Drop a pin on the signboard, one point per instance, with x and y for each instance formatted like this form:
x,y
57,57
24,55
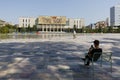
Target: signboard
x,y
52,20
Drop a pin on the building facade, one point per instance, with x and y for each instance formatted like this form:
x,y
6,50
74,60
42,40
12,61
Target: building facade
x,y
26,22
2,23
91,26
51,23
115,15
78,23
101,24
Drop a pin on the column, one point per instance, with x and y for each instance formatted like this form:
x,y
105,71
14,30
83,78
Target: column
x,y
46,28
53,28
42,28
57,28
61,28
50,27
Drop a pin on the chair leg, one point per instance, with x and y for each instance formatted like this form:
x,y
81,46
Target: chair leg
x,y
93,69
84,62
111,65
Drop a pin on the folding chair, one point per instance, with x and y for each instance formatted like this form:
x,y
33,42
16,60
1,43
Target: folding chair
x,y
95,58
107,56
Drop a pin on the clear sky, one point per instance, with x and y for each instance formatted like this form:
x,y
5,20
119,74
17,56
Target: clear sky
x,y
91,10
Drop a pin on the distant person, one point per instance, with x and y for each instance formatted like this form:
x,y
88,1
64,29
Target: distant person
x,y
74,34
91,52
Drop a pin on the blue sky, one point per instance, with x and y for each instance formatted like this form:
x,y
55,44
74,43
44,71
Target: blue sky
x,y
91,10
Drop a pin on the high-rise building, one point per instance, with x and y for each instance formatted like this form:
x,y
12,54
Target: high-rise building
x,y
26,22
115,15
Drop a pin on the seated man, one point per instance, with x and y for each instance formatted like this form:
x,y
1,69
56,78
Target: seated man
x,y
92,50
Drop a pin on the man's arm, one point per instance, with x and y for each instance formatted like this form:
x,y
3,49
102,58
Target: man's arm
x,y
90,52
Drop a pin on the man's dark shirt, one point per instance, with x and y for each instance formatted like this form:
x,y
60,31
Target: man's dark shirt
x,y
95,50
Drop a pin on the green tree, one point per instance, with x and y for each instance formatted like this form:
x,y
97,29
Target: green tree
x,y
34,28
23,29
118,29
110,29
4,30
28,29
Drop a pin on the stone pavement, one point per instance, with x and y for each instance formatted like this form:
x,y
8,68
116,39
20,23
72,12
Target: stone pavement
x,y
30,61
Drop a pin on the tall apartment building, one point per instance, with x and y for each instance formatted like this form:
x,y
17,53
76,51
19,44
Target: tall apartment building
x,y
115,15
25,22
79,23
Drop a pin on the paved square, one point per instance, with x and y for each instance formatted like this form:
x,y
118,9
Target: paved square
x,y
53,60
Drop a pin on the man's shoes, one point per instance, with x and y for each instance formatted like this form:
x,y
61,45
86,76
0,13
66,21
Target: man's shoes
x,y
86,64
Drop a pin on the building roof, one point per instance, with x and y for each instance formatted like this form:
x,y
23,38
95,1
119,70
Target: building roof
x,y
1,20
117,5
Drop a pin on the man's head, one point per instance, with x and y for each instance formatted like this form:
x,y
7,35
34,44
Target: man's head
x,y
96,43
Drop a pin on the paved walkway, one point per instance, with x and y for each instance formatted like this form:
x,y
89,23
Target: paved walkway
x,y
47,61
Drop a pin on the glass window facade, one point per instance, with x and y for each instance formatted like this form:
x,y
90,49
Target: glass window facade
x,y
115,15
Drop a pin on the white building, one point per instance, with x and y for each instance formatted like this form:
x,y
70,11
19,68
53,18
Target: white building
x,y
26,21
51,23
79,23
2,23
115,15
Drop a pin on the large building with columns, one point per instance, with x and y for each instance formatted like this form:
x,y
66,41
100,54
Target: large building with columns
x,y
51,23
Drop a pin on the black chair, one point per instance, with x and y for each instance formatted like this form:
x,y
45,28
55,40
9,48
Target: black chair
x,y
96,57
107,57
